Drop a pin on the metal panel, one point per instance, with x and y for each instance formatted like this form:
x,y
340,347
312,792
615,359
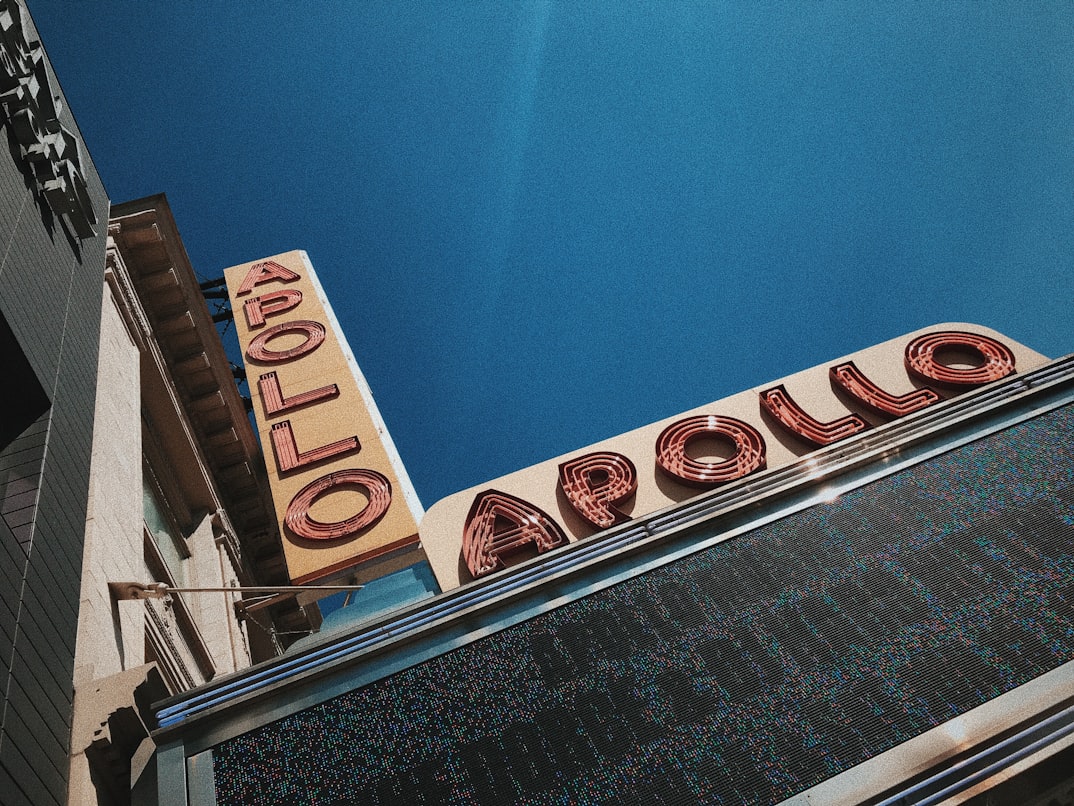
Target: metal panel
x,y
172,775
742,670
199,776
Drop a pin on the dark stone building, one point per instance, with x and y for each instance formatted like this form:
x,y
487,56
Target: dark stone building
x,y
53,210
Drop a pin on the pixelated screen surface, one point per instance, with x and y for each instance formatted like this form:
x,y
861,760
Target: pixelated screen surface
x,y
744,673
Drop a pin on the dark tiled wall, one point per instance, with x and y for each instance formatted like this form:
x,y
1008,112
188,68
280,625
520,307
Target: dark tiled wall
x,y
21,463
50,298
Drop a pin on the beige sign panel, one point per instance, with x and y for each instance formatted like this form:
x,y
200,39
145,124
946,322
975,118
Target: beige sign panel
x,y
574,496
341,493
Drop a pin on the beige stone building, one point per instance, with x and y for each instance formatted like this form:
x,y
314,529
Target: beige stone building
x,y
177,496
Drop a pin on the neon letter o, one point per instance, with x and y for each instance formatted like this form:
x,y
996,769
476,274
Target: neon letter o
x,y
671,450
313,331
997,358
376,487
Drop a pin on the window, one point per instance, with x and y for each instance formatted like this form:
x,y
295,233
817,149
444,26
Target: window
x,y
23,434
171,550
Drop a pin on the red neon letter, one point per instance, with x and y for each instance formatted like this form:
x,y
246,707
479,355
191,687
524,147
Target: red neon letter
x,y
996,360
778,402
376,487
274,302
671,455
265,272
499,524
312,331
288,457
853,381
595,483
275,403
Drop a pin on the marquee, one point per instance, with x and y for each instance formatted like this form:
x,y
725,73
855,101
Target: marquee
x,y
488,528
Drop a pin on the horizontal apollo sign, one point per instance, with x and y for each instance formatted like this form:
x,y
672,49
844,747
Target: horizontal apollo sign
x,y
341,493
487,528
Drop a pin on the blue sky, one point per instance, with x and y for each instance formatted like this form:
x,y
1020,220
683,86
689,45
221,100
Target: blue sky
x,y
543,224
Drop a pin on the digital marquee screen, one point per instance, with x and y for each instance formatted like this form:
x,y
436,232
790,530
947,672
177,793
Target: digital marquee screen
x,y
744,673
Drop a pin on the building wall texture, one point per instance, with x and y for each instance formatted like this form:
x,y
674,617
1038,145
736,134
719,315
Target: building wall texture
x,y
50,302
112,635
169,430
115,506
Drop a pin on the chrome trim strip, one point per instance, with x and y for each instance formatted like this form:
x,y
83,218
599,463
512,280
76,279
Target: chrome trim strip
x,y
864,451
986,763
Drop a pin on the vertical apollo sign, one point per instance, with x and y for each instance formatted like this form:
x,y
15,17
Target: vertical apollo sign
x,y
341,493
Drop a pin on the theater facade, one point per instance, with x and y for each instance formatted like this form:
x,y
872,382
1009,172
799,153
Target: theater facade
x,y
847,586
850,585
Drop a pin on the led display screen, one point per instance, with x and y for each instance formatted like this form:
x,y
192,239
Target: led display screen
x,y
744,673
